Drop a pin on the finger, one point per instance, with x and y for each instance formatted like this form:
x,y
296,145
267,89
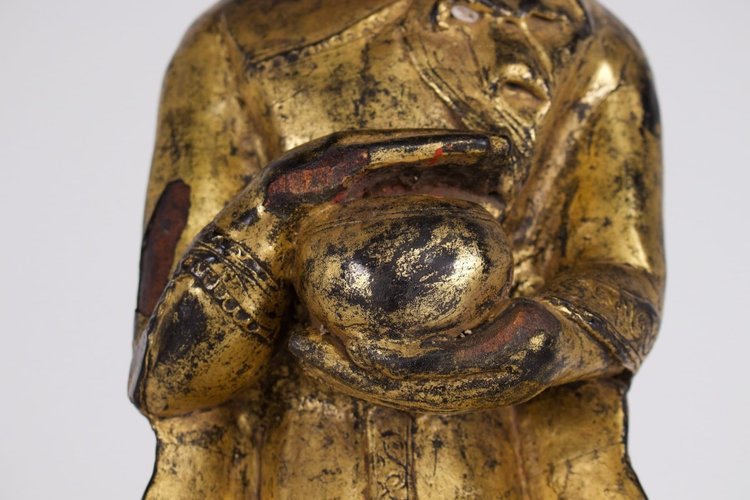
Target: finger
x,y
325,360
522,340
318,172
522,332
430,150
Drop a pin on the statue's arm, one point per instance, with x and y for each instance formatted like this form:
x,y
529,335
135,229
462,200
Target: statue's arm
x,y
222,293
214,327
611,278
604,298
598,226
605,281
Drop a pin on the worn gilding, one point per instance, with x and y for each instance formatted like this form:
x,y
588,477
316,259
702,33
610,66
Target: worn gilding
x,y
399,249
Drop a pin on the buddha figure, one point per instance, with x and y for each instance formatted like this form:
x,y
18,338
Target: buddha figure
x,y
399,249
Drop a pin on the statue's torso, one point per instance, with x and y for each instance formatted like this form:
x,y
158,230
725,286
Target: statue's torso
x,y
295,438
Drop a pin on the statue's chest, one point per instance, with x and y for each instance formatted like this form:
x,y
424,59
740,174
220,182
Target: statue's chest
x,y
365,84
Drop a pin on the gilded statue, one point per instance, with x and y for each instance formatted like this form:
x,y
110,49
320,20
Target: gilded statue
x,y
399,249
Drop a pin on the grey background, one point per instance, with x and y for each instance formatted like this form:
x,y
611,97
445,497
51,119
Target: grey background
x,y
79,84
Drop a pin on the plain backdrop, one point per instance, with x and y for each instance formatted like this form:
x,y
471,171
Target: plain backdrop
x,y
79,85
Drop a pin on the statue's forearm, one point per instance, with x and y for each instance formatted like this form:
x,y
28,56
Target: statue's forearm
x,y
214,327
615,306
608,278
590,322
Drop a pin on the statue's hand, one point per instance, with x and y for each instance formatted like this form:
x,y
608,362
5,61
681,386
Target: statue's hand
x,y
233,276
213,332
266,214
507,361
329,169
